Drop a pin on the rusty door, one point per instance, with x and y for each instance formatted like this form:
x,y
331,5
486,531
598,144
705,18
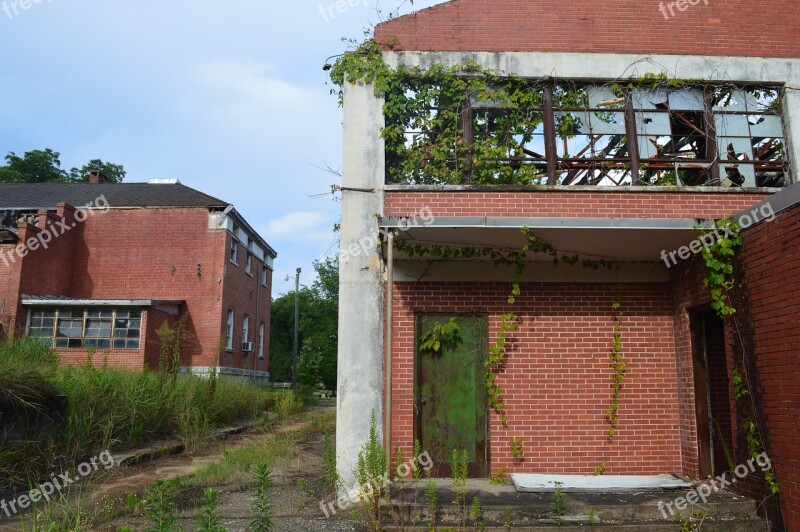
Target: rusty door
x,y
450,401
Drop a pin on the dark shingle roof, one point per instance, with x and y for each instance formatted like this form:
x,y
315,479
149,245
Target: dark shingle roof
x,y
28,196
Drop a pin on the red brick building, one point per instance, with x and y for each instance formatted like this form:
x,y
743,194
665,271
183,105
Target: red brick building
x,y
103,265
650,118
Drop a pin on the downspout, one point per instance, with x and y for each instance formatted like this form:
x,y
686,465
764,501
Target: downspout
x,y
389,319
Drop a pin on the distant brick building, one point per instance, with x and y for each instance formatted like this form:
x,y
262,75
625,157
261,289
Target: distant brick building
x,y
605,166
101,265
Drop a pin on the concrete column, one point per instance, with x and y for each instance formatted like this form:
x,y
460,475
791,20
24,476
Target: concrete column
x,y
360,387
791,120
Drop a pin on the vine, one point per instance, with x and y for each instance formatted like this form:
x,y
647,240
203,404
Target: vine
x,y
719,259
466,124
618,363
719,265
441,336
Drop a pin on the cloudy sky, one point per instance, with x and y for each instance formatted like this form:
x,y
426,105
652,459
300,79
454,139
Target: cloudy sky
x,y
229,97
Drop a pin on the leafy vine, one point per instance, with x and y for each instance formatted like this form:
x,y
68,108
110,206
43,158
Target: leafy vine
x,y
719,258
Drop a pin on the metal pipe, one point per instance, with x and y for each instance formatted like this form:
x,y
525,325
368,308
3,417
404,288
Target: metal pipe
x,y
389,319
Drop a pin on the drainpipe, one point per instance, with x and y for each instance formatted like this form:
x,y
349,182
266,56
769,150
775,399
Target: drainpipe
x,y
389,319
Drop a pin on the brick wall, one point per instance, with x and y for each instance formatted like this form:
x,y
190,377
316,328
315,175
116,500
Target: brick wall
x,y
571,204
720,28
162,254
558,377
246,295
768,264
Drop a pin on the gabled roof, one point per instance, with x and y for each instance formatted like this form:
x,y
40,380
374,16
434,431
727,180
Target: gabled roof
x,y
34,196
766,28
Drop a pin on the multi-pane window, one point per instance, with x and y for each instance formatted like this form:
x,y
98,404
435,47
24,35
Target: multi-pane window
x,y
102,328
566,133
229,331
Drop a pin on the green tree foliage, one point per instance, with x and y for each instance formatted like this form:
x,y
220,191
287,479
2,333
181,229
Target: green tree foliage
x,y
44,166
319,324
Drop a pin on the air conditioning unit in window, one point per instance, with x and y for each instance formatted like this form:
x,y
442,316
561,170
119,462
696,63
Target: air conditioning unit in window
x,y
247,347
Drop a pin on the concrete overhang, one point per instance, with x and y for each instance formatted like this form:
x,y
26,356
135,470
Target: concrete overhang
x,y
621,239
42,301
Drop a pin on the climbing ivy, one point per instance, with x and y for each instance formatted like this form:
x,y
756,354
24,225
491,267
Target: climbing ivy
x,y
442,336
719,258
618,363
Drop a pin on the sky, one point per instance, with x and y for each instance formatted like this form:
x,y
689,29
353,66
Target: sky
x,y
228,97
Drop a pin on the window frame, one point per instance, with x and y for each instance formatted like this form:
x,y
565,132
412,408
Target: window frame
x,y
230,325
87,318
261,333
233,253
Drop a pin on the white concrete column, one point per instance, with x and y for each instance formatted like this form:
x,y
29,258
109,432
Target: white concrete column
x,y
791,121
360,386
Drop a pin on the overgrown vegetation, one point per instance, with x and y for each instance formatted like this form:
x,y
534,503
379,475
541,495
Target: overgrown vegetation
x,y
370,472
55,416
318,336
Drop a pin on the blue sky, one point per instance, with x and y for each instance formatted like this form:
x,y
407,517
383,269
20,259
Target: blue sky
x,y
229,97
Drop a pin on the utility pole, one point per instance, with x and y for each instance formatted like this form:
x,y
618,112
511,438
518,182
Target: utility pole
x,y
296,327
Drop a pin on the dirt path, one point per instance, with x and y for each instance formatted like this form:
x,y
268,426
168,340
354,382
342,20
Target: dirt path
x,y
297,487
296,494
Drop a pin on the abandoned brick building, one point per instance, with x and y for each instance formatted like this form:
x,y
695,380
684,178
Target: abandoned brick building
x,y
577,148
101,266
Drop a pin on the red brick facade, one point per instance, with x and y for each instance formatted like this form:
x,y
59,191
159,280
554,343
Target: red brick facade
x,y
557,380
162,254
570,204
718,28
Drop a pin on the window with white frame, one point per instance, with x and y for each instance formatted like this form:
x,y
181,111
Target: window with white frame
x,y
246,328
102,328
234,251
249,264
264,276
229,331
261,340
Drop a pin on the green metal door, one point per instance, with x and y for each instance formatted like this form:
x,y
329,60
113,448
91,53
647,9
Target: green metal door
x,y
451,394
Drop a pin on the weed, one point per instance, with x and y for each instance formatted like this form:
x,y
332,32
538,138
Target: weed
x,y
370,470
476,514
592,516
432,502
159,507
208,520
559,505
507,520
262,506
331,476
458,471
498,478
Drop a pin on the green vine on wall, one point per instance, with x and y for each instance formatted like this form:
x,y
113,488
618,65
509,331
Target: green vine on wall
x,y
618,363
508,320
719,259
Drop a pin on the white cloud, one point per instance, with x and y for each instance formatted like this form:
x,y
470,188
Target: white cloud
x,y
300,226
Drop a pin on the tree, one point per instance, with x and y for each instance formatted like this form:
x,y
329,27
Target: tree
x,y
44,166
319,324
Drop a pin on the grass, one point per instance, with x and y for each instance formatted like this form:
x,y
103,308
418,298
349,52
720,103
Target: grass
x,y
107,409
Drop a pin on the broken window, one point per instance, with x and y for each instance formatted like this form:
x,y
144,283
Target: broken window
x,y
102,328
525,132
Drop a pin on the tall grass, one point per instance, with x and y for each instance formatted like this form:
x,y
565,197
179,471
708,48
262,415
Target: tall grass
x,y
107,408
